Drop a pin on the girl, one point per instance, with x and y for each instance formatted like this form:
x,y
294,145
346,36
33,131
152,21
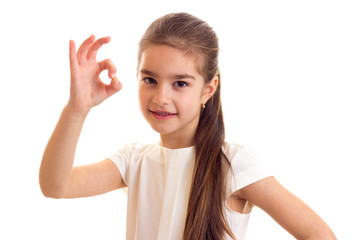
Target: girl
x,y
191,185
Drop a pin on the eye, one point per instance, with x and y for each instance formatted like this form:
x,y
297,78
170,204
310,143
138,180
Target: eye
x,y
149,80
181,84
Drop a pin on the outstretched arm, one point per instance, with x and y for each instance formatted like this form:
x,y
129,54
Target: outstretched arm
x,y
58,178
288,210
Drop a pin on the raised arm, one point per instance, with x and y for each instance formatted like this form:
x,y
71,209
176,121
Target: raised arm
x,y
58,178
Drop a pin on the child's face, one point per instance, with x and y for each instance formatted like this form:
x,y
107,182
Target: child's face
x,y
171,92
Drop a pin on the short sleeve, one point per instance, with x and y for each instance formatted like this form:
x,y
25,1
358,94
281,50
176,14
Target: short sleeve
x,y
246,167
121,159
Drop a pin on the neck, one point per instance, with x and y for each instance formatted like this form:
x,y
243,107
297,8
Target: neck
x,y
177,142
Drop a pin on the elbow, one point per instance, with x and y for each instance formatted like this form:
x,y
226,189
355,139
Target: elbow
x,y
52,194
51,190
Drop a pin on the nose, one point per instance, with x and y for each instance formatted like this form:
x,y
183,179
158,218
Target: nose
x,y
162,95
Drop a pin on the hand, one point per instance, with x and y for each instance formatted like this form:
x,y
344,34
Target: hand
x,y
87,90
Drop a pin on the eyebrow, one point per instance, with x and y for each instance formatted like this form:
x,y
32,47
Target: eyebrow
x,y
174,76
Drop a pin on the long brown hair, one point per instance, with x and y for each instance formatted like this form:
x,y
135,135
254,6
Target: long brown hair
x,y
205,215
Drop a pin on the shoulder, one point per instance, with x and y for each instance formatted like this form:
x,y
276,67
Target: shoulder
x,y
128,154
231,149
246,168
240,154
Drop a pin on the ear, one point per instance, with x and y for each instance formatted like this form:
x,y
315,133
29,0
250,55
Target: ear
x,y
209,89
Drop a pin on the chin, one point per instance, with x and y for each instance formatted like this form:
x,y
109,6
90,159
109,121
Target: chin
x,y
161,130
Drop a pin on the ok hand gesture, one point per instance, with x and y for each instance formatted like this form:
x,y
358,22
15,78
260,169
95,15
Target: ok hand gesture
x,y
87,89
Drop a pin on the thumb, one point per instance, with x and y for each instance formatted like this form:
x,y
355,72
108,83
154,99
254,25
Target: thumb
x,y
113,87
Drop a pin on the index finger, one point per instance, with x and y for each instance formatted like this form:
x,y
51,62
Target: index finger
x,y
92,51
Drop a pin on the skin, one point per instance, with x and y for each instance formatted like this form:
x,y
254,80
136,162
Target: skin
x,y
58,178
168,85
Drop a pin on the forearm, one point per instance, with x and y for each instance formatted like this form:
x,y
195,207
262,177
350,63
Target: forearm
x,y
322,232
58,158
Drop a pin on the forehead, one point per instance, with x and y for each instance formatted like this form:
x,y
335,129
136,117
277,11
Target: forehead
x,y
167,59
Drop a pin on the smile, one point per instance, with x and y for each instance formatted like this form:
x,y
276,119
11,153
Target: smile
x,y
162,115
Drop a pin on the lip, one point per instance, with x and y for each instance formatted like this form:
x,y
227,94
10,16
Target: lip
x,y
162,115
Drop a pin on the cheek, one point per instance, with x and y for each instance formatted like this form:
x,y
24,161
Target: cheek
x,y
142,98
191,102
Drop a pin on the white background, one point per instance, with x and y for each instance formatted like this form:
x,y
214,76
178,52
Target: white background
x,y
290,72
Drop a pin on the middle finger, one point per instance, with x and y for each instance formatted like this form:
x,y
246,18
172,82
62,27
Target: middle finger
x,y
92,51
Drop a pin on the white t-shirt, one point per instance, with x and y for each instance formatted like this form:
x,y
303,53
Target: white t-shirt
x,y
159,182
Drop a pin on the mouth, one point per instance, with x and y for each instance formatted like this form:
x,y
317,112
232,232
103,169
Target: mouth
x,y
161,115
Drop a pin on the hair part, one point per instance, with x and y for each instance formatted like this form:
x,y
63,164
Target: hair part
x,y
205,214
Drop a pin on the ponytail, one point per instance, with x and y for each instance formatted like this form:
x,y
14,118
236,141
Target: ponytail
x,y
205,216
